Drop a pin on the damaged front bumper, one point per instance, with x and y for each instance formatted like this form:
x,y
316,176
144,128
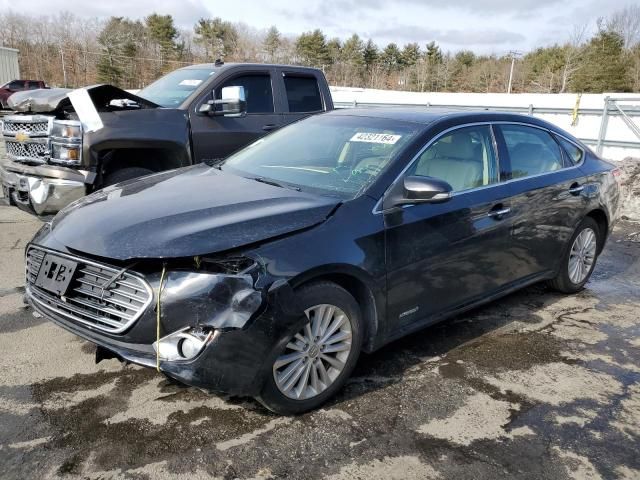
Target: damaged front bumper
x,y
245,327
26,188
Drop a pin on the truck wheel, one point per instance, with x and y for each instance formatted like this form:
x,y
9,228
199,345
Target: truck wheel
x,y
315,362
125,174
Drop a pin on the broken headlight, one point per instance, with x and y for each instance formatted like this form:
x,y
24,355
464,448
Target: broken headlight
x,y
215,300
66,142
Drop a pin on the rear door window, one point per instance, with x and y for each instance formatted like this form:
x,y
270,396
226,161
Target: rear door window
x,y
532,151
464,158
257,90
303,93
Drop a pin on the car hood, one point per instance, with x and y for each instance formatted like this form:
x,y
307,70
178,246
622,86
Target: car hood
x,y
53,99
194,211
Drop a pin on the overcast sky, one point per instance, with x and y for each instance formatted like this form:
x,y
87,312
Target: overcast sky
x,y
481,25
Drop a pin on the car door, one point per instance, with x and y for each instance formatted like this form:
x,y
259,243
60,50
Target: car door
x,y
546,196
441,256
216,137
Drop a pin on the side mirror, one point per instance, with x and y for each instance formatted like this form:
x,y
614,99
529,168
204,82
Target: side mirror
x,y
426,189
418,189
232,104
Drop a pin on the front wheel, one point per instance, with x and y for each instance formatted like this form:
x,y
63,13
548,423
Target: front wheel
x,y
580,259
317,360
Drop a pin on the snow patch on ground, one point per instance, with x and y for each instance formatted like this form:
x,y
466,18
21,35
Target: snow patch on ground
x,y
481,417
630,186
558,383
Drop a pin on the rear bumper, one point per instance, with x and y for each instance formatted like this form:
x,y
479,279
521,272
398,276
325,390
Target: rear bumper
x,y
39,195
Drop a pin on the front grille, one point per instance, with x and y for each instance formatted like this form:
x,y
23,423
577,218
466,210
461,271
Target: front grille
x,y
37,126
35,152
27,137
112,309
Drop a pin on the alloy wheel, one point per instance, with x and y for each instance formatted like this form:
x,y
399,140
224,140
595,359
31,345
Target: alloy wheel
x,y
316,355
582,255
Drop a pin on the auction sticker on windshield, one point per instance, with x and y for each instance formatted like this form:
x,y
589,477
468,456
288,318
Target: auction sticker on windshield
x,y
376,138
190,83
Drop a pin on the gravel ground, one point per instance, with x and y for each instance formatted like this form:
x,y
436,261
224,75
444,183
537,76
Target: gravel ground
x,y
537,385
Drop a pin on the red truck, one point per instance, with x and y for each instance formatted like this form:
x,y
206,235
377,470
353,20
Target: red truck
x,y
13,86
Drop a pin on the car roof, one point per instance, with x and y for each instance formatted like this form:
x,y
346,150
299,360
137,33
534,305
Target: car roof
x,y
429,116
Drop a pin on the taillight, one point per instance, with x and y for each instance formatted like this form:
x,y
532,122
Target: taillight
x,y
617,175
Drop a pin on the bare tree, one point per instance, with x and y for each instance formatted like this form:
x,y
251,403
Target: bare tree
x,y
572,53
626,23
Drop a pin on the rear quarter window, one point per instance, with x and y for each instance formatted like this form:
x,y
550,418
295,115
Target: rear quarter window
x,y
574,153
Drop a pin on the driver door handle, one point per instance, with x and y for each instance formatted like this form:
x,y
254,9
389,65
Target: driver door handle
x,y
269,127
498,213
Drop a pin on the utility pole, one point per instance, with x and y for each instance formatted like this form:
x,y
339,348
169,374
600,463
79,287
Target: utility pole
x,y
513,55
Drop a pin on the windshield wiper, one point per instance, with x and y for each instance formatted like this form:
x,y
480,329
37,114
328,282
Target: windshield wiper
x,y
275,184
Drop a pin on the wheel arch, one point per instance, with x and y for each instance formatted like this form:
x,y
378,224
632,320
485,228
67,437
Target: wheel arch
x,y
155,156
601,219
360,285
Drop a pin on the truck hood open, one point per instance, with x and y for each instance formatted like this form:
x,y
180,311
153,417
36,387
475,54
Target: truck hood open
x,y
54,99
194,211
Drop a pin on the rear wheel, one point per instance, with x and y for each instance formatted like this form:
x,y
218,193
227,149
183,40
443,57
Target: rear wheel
x,y
317,360
580,259
125,174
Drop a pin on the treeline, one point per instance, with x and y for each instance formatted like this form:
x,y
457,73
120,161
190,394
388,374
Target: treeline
x,y
65,50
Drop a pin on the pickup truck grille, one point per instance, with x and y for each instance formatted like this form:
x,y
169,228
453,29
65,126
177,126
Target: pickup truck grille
x,y
26,152
27,137
99,296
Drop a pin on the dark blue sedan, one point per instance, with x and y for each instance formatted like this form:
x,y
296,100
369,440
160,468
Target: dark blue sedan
x,y
266,274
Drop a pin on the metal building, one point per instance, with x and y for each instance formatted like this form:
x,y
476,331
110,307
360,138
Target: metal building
x,y
9,69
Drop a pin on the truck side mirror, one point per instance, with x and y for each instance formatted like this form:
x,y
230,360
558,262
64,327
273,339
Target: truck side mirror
x,y
232,104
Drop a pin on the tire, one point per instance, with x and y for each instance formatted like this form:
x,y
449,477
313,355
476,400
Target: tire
x,y
125,174
565,282
313,298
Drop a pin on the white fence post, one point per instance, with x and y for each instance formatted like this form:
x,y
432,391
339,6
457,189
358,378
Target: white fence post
x,y
602,134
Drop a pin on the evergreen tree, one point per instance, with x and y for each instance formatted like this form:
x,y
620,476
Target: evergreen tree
x,y
312,49
218,37
369,54
603,67
465,58
334,48
391,58
410,54
163,32
433,53
352,52
118,40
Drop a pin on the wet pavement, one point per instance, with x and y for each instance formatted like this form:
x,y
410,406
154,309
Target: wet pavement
x,y
537,385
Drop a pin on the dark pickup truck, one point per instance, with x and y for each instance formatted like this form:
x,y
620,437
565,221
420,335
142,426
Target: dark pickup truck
x,y
63,144
14,86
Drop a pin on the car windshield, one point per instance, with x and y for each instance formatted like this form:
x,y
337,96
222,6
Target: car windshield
x,y
172,89
331,154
